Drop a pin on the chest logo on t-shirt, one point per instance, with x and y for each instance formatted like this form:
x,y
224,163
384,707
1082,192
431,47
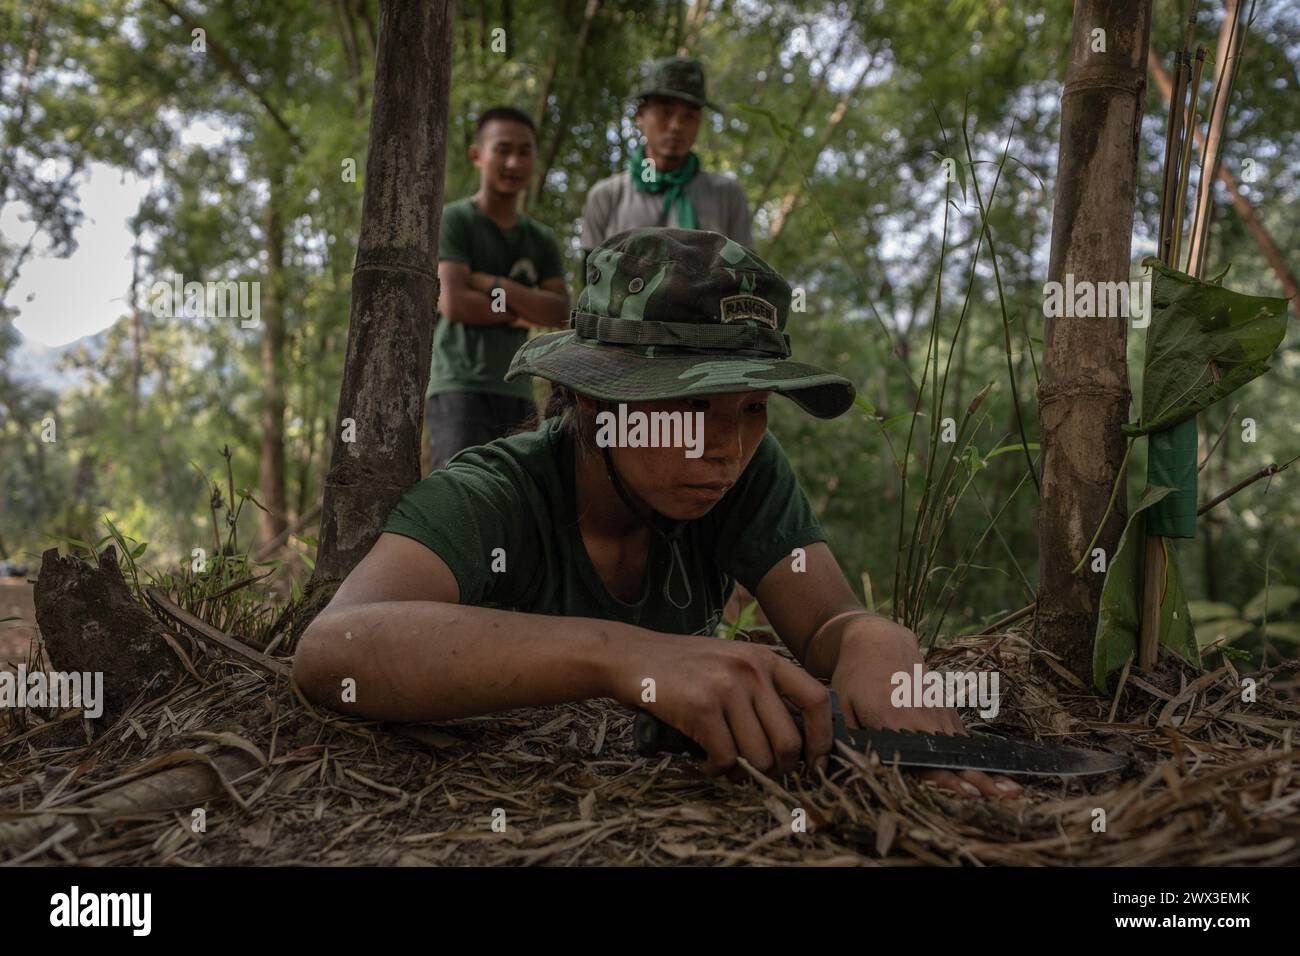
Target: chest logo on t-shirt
x,y
523,271
739,308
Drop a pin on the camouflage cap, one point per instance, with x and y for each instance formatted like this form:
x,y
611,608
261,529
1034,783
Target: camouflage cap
x,y
677,76
674,313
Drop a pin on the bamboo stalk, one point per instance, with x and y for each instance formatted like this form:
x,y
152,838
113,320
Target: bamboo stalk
x,y
1192,103
1223,55
1173,141
1263,239
1226,76
1154,563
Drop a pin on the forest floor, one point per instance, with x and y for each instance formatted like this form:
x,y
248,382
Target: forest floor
x,y
1212,780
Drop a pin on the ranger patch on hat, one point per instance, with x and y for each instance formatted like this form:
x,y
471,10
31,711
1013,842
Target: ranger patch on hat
x,y
738,308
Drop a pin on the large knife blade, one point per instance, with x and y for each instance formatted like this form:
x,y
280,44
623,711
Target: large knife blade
x,y
911,748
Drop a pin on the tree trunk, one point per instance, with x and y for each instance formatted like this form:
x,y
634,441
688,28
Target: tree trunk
x,y
814,90
540,113
376,439
1084,395
18,128
837,116
270,464
344,20
579,53
137,326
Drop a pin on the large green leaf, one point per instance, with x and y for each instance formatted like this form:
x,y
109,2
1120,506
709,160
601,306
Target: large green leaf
x,y
1118,619
1283,630
1205,342
1210,611
1225,631
1276,598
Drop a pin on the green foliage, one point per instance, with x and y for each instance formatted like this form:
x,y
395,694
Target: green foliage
x,y
1219,624
1205,343
1119,620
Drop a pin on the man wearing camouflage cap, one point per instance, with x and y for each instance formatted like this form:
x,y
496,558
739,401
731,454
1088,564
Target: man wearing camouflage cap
x,y
663,184
557,565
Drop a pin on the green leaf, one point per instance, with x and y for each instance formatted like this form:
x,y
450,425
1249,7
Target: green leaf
x,y
1207,632
1003,449
1210,610
1041,185
75,542
1278,598
865,405
1119,615
1204,343
1283,630
889,423
309,561
139,550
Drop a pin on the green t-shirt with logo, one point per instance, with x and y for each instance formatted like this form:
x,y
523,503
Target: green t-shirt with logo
x,y
502,517
474,358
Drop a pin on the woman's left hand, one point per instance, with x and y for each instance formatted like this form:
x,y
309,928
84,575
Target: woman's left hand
x,y
872,651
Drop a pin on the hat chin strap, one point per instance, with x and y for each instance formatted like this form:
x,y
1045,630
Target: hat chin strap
x,y
677,566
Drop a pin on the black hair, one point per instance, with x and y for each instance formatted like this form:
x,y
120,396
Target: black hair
x,y
508,113
562,403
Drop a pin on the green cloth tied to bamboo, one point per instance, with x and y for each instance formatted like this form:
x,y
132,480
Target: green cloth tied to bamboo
x,y
1204,343
672,184
1171,463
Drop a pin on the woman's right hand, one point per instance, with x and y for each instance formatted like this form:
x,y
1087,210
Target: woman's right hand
x,y
733,699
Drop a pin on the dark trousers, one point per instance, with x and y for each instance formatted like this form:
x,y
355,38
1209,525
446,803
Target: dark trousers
x,y
454,421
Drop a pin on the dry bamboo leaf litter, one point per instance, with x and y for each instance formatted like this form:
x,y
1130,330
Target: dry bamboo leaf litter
x,y
1213,782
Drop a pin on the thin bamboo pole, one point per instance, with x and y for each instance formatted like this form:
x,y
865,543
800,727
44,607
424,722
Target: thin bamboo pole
x,y
1154,559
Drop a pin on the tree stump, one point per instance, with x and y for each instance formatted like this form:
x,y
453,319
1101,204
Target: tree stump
x,y
90,621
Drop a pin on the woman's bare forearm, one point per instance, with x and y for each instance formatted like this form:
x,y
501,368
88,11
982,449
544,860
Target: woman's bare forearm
x,y
426,660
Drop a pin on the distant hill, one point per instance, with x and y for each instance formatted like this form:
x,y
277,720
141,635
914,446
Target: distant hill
x,y
38,364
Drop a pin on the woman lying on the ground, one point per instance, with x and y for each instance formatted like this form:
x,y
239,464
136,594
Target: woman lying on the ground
x,y
548,566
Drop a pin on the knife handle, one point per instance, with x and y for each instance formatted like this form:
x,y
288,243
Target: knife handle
x,y
654,736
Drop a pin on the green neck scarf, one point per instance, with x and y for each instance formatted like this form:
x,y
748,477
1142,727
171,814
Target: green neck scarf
x,y
671,184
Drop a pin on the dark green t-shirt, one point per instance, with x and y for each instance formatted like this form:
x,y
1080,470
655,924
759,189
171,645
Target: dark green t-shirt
x,y
517,494
474,358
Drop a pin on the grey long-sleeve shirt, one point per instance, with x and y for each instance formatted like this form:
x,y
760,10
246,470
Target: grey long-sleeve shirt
x,y
614,205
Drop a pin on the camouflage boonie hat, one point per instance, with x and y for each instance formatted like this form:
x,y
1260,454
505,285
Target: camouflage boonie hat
x,y
676,76
675,313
